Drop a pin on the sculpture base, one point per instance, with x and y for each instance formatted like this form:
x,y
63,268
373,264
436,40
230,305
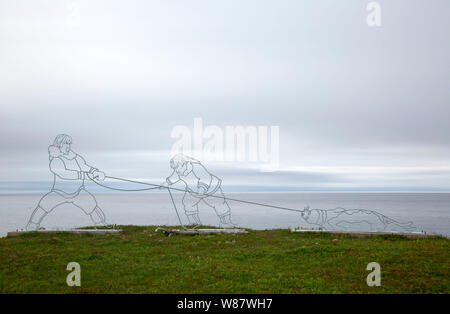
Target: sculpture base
x,y
76,231
199,231
368,234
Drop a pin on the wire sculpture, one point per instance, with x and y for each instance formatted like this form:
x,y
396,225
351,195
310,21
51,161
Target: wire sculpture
x,y
69,173
341,219
201,189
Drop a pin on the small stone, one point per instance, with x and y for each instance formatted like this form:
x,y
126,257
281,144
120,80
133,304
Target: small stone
x,y
335,240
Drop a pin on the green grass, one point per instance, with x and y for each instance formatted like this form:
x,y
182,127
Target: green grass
x,y
271,261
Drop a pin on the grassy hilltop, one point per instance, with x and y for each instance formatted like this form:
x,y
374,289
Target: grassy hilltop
x,y
271,261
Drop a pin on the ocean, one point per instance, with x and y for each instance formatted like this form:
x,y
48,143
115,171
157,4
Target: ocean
x,y
429,212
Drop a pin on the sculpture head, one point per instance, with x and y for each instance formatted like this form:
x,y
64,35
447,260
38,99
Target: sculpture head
x,y
311,216
63,142
182,164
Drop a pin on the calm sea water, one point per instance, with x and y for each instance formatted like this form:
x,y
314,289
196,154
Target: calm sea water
x,y
428,211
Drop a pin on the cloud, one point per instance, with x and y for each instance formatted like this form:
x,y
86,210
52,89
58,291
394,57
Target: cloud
x,y
343,94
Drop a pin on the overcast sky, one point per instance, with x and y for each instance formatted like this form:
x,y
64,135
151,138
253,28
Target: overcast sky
x,y
358,107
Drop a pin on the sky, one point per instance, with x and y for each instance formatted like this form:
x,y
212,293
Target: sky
x,y
359,108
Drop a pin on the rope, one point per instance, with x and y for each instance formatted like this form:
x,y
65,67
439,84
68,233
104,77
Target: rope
x,y
122,190
157,186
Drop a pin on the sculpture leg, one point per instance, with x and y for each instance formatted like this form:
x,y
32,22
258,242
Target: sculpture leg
x,y
190,205
46,204
98,217
36,218
194,219
221,207
88,204
225,221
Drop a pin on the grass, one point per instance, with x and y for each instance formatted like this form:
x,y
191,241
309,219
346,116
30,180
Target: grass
x,y
270,261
